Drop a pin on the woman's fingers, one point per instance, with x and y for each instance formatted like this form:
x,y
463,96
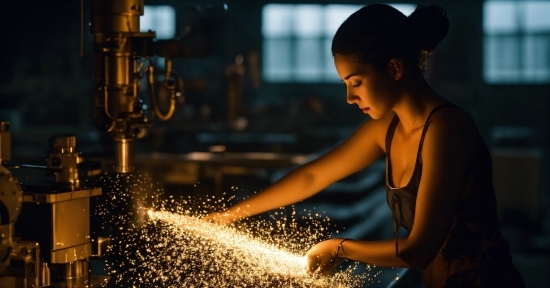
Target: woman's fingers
x,y
319,262
323,256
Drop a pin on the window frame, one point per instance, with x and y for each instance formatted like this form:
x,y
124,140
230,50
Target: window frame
x,y
520,34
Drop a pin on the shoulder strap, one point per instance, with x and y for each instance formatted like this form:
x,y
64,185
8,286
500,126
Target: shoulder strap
x,y
426,124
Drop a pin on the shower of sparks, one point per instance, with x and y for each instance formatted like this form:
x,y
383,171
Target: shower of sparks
x,y
265,259
161,241
268,257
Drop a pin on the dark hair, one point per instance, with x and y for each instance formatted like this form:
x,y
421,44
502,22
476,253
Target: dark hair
x,y
377,33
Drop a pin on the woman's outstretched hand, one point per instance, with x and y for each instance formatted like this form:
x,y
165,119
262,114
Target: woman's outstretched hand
x,y
323,257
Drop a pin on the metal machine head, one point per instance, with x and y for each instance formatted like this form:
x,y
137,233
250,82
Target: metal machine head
x,y
118,44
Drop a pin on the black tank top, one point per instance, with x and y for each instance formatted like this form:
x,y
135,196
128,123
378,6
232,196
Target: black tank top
x,y
486,251
402,201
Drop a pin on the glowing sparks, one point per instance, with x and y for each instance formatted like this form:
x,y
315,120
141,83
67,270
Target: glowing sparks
x,y
267,258
161,241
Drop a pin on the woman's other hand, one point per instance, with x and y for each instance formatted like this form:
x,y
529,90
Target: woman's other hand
x,y
323,257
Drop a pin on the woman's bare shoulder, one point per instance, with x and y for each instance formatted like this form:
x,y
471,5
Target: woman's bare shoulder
x,y
453,128
453,118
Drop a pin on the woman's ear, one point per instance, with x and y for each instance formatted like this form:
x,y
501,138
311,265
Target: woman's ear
x,y
395,67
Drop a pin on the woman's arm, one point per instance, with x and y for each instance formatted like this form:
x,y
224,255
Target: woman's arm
x,y
361,149
447,157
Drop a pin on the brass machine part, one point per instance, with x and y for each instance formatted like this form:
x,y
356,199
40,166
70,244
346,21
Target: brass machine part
x,y
26,269
118,44
10,198
63,162
10,205
10,188
60,222
57,223
19,261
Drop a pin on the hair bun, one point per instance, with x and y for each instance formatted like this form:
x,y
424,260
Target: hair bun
x,y
429,25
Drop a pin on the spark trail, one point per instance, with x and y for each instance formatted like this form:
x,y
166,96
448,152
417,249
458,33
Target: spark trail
x,y
175,248
267,257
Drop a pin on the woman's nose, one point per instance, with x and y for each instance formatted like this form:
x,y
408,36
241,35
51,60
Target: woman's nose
x,y
351,98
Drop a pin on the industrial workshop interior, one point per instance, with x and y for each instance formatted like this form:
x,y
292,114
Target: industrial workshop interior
x,y
123,122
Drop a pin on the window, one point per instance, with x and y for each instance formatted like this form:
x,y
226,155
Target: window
x,y
159,18
297,39
516,46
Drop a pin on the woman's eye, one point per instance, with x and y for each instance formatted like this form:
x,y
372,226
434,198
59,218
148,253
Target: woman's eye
x,y
355,85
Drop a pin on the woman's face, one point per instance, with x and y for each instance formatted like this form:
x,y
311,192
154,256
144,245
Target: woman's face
x,y
374,91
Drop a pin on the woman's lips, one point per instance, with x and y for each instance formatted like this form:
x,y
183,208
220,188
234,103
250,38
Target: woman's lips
x,y
365,110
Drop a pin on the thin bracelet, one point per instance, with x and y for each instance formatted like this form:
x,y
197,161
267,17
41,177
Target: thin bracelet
x,y
340,245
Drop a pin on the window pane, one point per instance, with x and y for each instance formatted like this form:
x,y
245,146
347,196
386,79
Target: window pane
x,y
308,20
277,20
309,58
536,58
537,16
330,71
277,60
406,9
161,19
516,46
499,17
501,59
335,15
297,40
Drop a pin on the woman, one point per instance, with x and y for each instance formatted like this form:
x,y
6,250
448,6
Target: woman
x,y
438,167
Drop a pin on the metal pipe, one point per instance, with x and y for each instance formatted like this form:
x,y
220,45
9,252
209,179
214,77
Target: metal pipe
x,y
124,162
